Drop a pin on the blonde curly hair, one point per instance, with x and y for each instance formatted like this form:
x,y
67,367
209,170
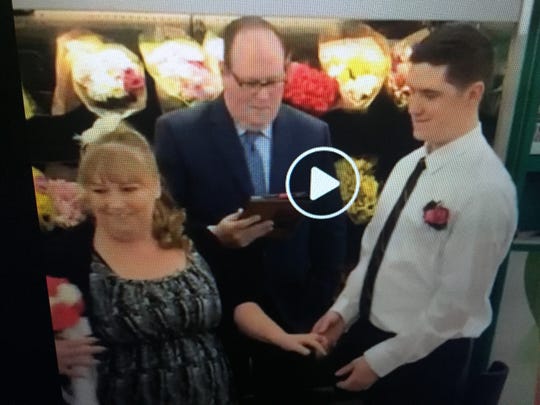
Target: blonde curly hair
x,y
124,154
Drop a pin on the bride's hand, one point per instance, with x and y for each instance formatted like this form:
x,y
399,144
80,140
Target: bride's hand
x,y
303,343
71,354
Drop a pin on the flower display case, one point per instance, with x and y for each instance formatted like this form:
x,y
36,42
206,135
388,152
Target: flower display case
x,y
346,68
363,51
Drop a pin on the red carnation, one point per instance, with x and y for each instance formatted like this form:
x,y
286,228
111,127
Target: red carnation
x,y
310,89
436,215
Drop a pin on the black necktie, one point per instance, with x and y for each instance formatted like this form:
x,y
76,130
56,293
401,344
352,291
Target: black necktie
x,y
366,298
254,162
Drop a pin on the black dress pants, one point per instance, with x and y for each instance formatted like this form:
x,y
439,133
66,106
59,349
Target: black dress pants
x,y
437,379
284,378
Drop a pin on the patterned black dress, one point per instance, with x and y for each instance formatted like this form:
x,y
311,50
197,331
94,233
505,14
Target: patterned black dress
x,y
160,335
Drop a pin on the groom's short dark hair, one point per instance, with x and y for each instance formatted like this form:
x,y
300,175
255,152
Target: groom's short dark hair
x,y
467,53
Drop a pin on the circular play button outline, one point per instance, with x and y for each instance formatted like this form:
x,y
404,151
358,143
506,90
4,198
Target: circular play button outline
x,y
309,152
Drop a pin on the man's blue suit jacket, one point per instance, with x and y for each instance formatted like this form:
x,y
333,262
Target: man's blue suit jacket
x,y
201,158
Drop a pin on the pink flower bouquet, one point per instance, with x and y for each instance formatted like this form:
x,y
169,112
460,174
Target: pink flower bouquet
x,y
184,70
58,201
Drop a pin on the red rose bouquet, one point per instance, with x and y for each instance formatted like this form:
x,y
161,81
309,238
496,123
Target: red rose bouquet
x,y
310,89
67,305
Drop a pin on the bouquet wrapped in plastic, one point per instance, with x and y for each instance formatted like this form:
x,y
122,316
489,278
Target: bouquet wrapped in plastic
x,y
58,201
359,63
310,89
183,70
363,208
106,77
29,104
66,305
401,51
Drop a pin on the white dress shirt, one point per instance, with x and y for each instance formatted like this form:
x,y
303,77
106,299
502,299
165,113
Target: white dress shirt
x,y
434,285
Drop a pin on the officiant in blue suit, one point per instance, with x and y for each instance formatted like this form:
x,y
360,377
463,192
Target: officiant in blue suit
x,y
214,157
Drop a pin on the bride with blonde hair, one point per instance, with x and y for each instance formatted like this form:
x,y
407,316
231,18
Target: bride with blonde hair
x,y
152,301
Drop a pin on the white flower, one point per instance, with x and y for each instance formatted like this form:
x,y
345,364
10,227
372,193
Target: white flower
x,y
101,73
173,50
102,85
214,47
361,86
171,58
68,294
101,126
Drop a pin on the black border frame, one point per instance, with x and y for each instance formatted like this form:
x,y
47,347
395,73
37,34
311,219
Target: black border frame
x,y
29,360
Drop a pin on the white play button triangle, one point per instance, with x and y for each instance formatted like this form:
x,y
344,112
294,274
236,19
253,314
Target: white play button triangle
x,y
320,183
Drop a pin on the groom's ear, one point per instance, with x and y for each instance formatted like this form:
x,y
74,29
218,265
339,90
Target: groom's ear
x,y
475,91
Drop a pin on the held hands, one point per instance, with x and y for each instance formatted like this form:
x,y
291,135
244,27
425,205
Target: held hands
x,y
71,354
303,343
235,232
331,325
360,375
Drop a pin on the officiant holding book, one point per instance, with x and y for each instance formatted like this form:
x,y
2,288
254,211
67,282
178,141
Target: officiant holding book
x,y
215,157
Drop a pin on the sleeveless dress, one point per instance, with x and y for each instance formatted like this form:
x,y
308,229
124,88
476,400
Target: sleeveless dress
x,y
160,337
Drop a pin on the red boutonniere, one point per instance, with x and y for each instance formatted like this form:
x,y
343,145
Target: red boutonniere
x,y
436,215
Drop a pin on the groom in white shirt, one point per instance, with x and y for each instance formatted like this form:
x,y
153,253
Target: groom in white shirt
x,y
429,256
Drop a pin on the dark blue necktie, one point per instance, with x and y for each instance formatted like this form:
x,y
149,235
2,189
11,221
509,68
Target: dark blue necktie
x,y
366,298
254,161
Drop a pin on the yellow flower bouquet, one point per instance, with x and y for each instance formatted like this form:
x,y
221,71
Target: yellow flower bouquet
x,y
360,65
29,104
363,208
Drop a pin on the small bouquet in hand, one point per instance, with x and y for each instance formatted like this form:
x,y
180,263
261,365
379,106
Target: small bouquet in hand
x,y
58,201
66,304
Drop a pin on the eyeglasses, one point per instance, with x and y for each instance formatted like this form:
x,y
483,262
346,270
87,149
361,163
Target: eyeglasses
x,y
256,85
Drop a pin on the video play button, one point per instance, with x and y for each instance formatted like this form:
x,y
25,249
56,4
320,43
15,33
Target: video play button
x,y
320,183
